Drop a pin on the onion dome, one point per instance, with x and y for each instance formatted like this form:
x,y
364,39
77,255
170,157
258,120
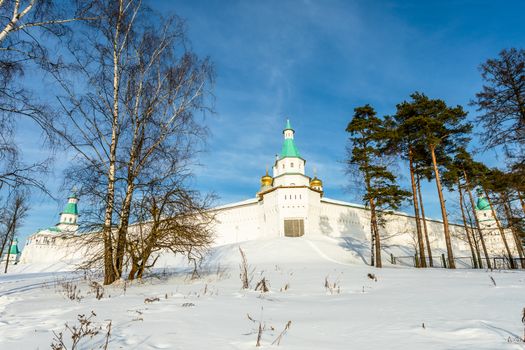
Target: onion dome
x,y
316,182
266,180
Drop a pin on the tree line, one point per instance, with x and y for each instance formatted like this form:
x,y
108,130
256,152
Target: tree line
x,y
432,139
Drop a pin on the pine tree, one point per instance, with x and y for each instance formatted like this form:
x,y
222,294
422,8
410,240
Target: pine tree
x,y
366,151
440,128
502,102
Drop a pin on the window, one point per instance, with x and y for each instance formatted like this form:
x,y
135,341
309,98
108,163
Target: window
x,y
283,165
291,165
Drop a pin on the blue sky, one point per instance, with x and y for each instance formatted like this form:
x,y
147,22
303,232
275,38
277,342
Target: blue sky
x,y
314,62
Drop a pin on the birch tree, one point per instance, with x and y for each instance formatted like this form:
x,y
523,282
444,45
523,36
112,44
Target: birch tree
x,y
27,29
139,90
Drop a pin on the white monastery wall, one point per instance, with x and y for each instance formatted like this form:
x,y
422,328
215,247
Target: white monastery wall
x,y
237,223
288,195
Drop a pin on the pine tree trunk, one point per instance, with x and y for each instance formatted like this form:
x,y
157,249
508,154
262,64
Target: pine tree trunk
x,y
373,222
467,231
425,229
522,201
517,241
501,231
473,233
446,230
421,246
372,242
477,222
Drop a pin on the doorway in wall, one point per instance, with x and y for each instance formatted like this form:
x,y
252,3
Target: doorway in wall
x,y
293,227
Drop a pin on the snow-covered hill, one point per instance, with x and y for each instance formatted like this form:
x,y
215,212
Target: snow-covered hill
x,y
402,308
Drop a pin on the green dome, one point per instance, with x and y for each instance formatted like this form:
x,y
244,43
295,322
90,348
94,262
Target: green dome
x,y
482,204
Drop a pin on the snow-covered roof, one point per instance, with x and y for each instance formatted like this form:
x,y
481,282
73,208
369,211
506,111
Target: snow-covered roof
x,y
237,204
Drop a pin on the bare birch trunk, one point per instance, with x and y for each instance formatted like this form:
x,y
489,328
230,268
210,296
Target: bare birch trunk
x,y
110,271
11,241
446,230
15,18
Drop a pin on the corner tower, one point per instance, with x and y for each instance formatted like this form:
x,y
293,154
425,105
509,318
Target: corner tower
x,y
69,217
484,212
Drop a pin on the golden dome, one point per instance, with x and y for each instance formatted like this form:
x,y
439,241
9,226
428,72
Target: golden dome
x,y
266,180
316,182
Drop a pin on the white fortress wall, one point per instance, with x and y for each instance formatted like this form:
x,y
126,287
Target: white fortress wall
x,y
270,215
53,247
341,219
237,222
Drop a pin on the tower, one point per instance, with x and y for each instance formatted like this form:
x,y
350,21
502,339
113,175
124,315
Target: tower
x,y
289,165
488,226
13,254
484,212
69,217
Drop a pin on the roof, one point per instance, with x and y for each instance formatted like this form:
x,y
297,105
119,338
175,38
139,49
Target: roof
x,y
482,204
289,149
71,208
237,204
288,125
14,248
